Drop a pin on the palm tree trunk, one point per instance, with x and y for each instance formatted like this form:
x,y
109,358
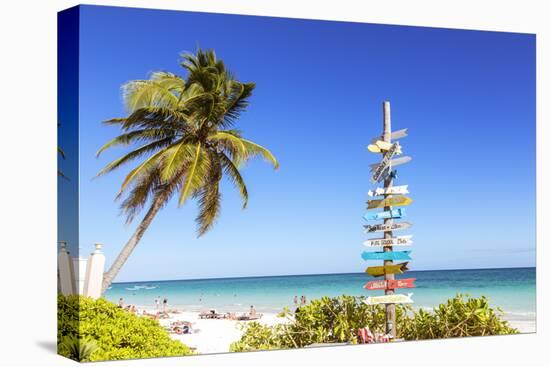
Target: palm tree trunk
x,y
110,275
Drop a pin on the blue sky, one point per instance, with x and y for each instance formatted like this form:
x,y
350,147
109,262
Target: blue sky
x,y
467,97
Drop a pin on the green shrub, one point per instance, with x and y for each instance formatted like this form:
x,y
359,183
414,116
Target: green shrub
x,y
336,320
460,316
99,330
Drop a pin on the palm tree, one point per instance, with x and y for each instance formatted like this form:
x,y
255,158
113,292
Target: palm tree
x,y
185,128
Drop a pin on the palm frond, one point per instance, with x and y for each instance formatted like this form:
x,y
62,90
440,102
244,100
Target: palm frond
x,y
256,149
137,136
61,152
209,196
175,158
237,102
235,177
142,169
195,174
147,148
140,194
148,93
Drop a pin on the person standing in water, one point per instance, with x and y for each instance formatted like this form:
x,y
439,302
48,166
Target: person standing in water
x,y
157,303
164,304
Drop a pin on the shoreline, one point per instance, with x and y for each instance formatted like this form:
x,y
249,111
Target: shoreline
x,y
216,335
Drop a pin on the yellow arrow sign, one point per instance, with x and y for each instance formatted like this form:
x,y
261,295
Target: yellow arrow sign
x,y
378,271
393,201
381,146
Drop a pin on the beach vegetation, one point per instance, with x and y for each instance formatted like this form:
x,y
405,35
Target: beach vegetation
x,y
338,319
98,330
182,133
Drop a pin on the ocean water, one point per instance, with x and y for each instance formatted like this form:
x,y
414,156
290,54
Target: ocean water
x,y
512,290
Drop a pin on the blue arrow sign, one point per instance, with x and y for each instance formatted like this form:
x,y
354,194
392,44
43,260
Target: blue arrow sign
x,y
394,213
388,255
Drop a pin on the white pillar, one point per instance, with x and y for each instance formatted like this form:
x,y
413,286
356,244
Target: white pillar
x,y
79,265
94,273
66,270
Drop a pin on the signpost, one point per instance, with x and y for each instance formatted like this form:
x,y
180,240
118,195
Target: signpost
x,y
395,226
391,201
394,190
386,255
389,241
389,299
395,213
378,271
377,285
390,198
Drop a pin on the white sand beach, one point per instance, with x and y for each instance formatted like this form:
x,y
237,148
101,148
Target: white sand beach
x,y
211,335
216,335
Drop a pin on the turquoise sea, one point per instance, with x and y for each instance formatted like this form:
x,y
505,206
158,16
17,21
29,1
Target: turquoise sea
x,y
513,290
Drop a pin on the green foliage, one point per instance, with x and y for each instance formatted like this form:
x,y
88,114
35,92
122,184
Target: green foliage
x,y
78,349
460,316
336,320
98,330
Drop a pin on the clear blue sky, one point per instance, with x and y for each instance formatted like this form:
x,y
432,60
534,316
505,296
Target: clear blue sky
x,y
467,97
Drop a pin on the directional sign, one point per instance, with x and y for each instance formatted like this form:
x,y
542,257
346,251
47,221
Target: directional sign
x,y
386,255
399,134
394,162
394,213
390,298
394,241
381,146
378,271
377,285
385,164
385,174
395,226
392,201
394,190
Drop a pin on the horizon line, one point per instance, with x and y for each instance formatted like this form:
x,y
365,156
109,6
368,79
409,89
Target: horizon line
x,y
310,274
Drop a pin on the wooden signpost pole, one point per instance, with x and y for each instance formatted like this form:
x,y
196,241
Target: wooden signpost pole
x,y
390,307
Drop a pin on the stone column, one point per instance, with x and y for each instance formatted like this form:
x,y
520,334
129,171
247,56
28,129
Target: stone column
x,y
66,270
94,273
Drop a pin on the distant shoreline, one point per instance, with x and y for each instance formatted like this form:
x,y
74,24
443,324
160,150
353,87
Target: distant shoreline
x,y
307,275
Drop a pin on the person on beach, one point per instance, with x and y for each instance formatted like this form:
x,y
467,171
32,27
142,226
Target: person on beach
x,y
304,300
164,304
121,302
157,303
252,311
295,301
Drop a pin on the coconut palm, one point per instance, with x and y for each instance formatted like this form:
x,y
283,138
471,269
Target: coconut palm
x,y
185,128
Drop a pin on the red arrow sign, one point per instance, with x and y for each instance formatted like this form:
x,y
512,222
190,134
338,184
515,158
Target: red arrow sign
x,y
390,284
401,283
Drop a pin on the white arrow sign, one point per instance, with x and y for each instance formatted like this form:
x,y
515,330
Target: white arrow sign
x,y
394,136
393,163
395,226
394,190
379,171
394,241
390,298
